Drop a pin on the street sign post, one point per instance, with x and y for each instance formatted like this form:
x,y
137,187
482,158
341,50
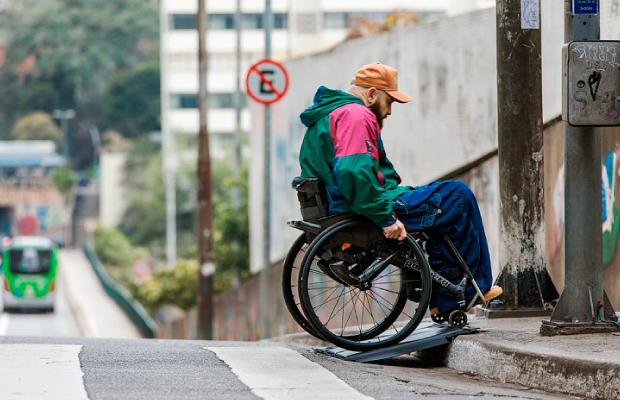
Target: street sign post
x,y
591,83
266,81
585,7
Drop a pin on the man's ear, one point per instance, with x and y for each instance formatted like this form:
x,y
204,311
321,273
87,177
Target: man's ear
x,y
372,95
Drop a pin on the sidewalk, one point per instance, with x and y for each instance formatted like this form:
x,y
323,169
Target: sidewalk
x,y
512,350
96,313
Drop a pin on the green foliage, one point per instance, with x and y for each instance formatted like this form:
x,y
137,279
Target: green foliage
x,y
74,48
170,286
231,227
37,125
64,179
132,101
113,248
144,221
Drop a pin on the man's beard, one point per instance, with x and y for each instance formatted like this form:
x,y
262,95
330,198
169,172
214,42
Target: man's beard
x,y
376,109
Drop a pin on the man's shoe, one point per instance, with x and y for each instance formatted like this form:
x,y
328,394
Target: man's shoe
x,y
494,292
435,311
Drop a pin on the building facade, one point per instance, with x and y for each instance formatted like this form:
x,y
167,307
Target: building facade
x,y
299,27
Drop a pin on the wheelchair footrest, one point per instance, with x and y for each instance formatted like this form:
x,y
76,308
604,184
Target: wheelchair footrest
x,y
424,337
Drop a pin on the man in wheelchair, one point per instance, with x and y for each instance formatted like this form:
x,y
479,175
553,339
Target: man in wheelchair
x,y
343,148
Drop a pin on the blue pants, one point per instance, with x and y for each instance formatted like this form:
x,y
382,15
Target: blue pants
x,y
449,207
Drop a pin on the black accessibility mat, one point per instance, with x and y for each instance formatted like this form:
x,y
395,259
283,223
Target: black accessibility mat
x,y
424,337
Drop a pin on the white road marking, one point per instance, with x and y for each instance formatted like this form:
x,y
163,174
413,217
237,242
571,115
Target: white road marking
x,y
41,371
275,373
4,324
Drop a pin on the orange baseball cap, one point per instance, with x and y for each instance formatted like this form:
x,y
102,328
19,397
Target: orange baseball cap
x,y
381,77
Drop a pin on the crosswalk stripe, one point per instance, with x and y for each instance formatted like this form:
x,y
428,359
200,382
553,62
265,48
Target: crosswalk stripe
x,y
41,371
275,373
4,323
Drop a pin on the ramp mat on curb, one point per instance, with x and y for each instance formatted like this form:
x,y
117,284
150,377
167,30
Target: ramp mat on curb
x,y
424,337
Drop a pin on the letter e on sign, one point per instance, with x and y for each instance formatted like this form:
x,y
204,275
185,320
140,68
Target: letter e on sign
x,y
266,81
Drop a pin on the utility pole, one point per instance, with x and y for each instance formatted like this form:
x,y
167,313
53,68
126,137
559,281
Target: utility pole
x,y
236,167
524,278
583,299
265,276
169,163
206,266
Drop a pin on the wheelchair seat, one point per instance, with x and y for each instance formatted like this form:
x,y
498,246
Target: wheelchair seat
x,y
314,207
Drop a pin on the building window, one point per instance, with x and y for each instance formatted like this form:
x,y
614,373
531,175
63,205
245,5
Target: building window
x,y
335,20
183,101
221,21
182,21
225,100
252,21
280,21
227,21
214,100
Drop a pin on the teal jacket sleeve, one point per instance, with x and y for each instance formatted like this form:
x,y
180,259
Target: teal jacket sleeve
x,y
357,178
355,134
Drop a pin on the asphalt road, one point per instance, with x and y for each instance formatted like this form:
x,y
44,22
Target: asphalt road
x,y
47,356
92,368
59,323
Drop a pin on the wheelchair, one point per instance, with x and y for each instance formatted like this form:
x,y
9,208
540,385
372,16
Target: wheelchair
x,y
345,283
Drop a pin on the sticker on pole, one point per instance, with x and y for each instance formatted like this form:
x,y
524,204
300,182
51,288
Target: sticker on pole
x,y
267,81
584,7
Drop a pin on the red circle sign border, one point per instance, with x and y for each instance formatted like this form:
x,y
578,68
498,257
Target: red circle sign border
x,y
253,69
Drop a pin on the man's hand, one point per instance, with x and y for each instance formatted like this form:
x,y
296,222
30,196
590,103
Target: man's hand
x,y
395,231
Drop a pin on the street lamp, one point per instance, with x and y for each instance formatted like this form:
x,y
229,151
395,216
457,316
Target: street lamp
x,y
64,116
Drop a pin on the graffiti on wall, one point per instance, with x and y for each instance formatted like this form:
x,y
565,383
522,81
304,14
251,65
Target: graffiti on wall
x,y
610,216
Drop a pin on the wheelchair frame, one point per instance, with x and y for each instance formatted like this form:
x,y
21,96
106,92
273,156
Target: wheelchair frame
x,y
317,225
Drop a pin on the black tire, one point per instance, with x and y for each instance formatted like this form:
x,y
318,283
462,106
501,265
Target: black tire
x,y
347,315
290,278
438,318
457,319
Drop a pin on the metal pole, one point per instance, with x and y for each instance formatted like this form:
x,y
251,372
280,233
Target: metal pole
x,y
265,277
577,309
168,146
267,182
65,136
236,167
64,116
204,188
520,141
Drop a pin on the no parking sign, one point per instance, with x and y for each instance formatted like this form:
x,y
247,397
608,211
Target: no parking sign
x,y
267,81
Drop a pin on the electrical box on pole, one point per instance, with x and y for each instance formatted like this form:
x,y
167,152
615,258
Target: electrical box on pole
x,y
591,77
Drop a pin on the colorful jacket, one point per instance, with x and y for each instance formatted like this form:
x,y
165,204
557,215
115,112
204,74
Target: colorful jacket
x,y
343,147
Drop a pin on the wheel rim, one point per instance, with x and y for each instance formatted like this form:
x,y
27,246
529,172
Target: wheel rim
x,y
350,316
290,279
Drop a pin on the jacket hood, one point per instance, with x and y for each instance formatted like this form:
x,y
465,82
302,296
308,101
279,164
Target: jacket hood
x,y
325,101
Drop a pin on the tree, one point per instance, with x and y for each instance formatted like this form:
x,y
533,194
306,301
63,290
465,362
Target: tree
x,y
64,179
132,101
62,52
37,126
144,220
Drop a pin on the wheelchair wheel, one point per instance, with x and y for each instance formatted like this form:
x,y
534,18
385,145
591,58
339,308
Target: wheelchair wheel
x,y
290,278
348,304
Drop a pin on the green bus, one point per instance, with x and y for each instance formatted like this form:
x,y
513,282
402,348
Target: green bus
x,y
29,265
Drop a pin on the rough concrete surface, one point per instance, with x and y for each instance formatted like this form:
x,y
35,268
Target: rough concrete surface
x,y
513,350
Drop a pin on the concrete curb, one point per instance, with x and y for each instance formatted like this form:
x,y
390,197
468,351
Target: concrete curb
x,y
512,350
85,324
535,367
